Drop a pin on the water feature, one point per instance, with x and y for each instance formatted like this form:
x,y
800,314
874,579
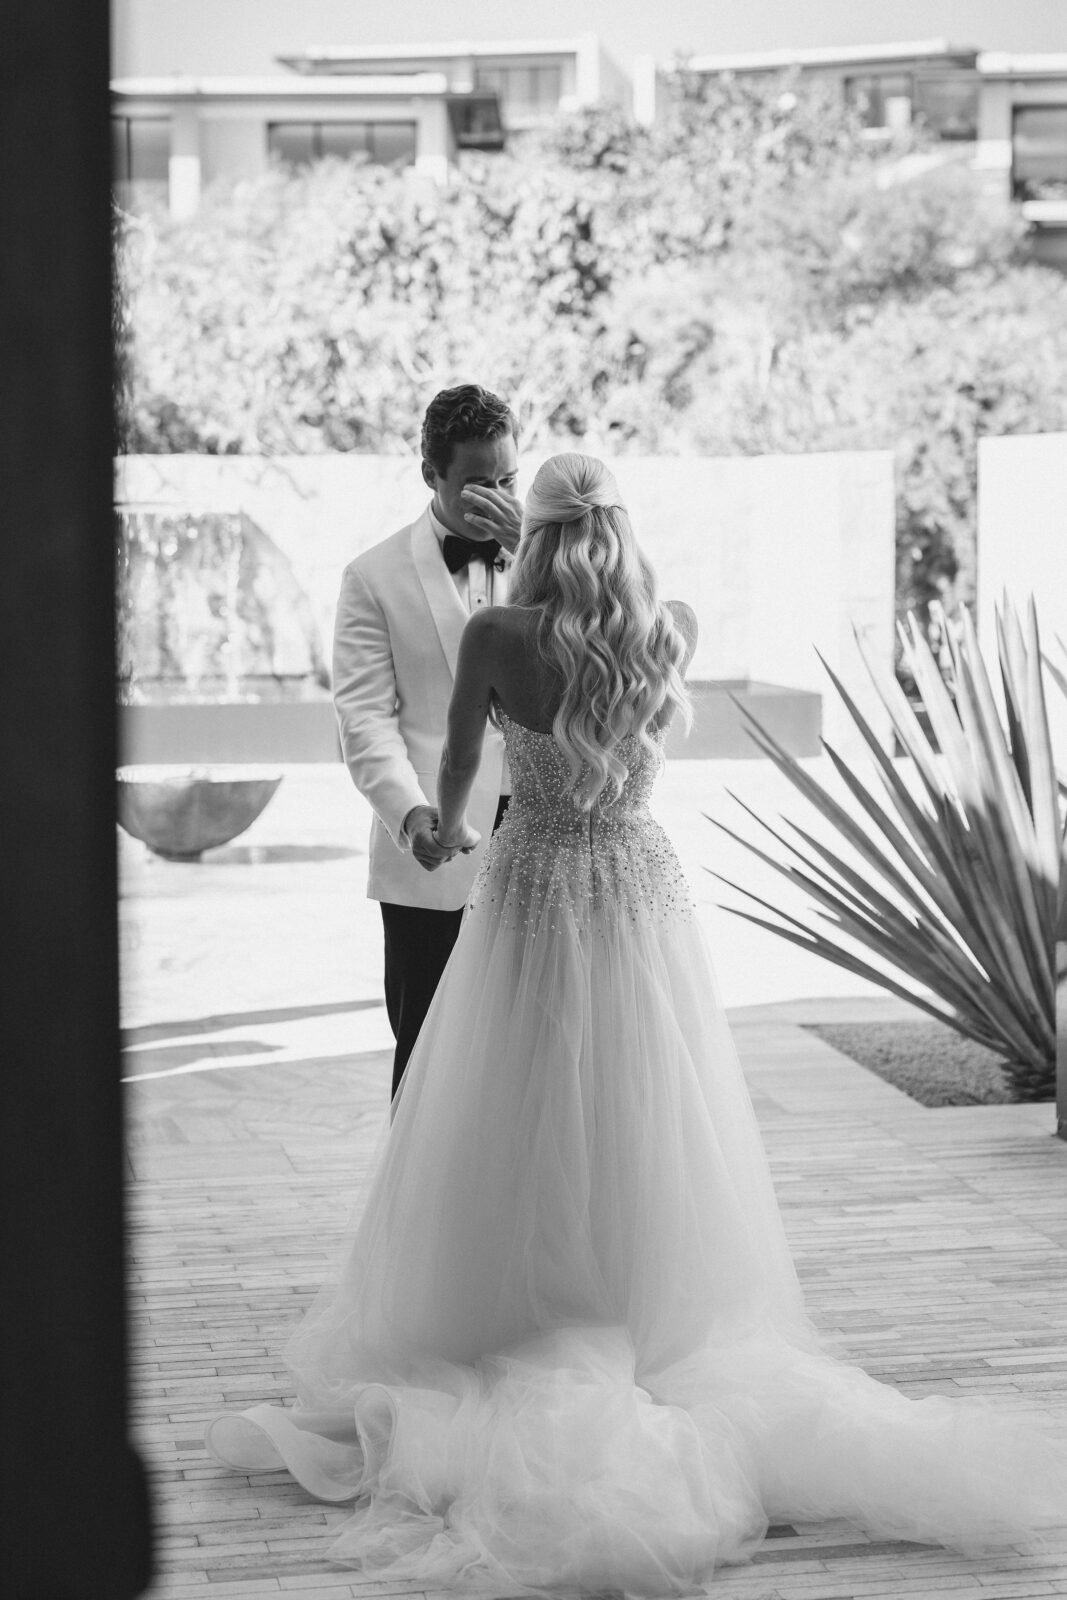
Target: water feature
x,y
209,610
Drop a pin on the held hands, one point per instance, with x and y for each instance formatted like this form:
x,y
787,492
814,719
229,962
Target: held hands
x,y
429,851
494,512
419,824
463,839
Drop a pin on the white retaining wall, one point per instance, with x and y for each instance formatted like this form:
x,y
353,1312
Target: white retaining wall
x,y
1022,547
777,554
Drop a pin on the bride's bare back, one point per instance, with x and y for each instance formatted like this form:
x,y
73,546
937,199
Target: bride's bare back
x,y
527,687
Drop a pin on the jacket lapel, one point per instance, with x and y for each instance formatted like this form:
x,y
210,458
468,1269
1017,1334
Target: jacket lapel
x,y
447,609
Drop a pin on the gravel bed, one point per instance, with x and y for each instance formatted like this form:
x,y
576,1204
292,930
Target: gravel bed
x,y
928,1060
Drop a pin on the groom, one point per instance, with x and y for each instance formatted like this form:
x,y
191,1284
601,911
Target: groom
x,y
402,609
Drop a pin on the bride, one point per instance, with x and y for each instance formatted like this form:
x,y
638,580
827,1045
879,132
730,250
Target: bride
x,y
567,1348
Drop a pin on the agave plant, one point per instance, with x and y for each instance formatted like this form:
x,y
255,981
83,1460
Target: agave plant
x,y
1058,675
961,879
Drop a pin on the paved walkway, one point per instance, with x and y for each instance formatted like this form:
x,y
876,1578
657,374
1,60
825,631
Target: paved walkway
x,y
932,1246
281,915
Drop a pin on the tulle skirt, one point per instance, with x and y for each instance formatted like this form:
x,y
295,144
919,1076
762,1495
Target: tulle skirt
x,y
566,1349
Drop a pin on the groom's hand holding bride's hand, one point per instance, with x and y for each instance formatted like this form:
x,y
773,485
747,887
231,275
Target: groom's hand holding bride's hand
x,y
419,825
429,850
461,841
494,513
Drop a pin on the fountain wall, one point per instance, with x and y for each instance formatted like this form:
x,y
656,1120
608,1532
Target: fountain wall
x,y
779,556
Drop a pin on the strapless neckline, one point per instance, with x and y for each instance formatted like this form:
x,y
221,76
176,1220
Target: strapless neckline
x,y
547,733
542,733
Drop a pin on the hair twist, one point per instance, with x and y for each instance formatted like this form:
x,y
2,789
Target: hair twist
x,y
614,645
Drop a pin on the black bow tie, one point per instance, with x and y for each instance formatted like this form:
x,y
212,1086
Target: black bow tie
x,y
458,552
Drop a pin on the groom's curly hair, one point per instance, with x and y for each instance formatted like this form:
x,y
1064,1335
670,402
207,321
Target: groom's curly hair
x,y
455,416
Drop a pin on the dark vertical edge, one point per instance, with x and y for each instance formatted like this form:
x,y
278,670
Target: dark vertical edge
x,y
72,1491
1061,1033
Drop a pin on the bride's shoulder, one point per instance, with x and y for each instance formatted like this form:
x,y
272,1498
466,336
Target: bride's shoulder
x,y
491,628
515,622
501,619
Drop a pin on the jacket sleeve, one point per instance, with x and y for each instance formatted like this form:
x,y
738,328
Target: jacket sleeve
x,y
364,693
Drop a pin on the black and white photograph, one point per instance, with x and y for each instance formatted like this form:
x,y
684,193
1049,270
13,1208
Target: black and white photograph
x,y
534,799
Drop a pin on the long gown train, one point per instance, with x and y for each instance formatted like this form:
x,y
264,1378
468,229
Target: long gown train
x,y
567,1349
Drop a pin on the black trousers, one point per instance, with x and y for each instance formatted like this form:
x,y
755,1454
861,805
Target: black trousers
x,y
418,944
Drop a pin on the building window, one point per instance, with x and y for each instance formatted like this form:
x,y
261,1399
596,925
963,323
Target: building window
x,y
525,92
475,121
393,142
948,106
883,99
1039,153
140,158
298,144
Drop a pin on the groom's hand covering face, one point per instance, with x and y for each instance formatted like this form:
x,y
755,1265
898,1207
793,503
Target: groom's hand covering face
x,y
493,514
476,497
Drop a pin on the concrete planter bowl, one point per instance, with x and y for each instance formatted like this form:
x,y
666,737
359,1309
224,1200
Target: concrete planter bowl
x,y
180,815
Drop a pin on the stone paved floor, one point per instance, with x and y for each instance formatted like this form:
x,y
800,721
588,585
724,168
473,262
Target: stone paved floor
x,y
281,915
932,1244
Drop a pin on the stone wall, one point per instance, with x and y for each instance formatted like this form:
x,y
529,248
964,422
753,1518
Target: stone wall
x,y
777,554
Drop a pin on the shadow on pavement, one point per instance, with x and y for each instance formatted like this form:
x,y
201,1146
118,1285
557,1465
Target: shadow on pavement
x,y
258,855
185,1027
338,1077
179,1055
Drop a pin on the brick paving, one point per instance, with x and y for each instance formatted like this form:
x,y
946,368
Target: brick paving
x,y
932,1246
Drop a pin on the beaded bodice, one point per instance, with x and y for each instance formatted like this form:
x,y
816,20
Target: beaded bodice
x,y
549,862
540,777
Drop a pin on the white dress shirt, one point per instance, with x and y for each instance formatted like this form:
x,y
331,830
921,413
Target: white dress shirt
x,y
476,584
479,585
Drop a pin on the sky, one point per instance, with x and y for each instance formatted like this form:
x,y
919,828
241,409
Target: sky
x,y
152,37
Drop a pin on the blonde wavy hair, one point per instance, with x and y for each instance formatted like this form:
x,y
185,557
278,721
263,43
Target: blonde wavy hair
x,y
615,646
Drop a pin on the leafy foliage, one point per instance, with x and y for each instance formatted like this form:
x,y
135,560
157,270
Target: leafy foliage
x,y
748,275
1057,671
957,880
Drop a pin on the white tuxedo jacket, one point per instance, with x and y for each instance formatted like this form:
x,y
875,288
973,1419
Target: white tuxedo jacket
x,y
399,621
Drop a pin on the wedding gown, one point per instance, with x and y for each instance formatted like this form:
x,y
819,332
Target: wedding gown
x,y
567,1349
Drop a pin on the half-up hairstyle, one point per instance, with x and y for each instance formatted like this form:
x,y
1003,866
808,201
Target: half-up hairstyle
x,y
616,647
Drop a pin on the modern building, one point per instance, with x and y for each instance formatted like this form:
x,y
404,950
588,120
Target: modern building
x,y
415,106
175,134
532,78
421,106
1005,114
891,84
1022,141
